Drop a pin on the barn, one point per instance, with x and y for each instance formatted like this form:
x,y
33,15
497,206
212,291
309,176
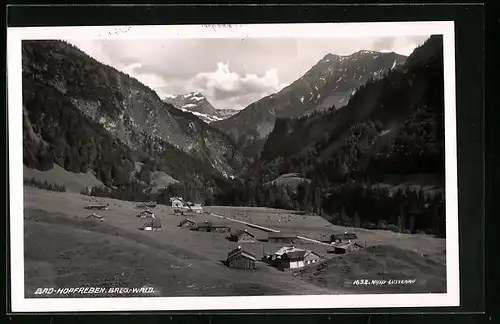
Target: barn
x,y
187,223
241,236
152,225
146,214
241,259
280,237
339,237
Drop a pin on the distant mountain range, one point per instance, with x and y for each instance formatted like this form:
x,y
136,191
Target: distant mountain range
x,y
329,83
198,105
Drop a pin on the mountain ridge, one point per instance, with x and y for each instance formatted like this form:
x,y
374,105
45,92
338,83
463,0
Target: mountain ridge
x,y
330,82
197,104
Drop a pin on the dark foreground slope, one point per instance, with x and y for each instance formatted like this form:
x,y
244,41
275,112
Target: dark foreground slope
x,y
64,250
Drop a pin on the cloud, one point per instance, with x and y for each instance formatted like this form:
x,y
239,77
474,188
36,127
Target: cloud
x,y
226,85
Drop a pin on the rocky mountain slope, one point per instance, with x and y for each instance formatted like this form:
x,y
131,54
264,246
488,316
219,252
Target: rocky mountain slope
x,y
126,109
329,83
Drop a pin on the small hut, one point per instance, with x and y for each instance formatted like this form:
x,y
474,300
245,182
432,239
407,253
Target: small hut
x,y
95,217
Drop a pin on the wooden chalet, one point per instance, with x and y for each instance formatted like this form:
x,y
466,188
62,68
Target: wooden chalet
x,y
241,236
241,259
187,223
152,225
280,237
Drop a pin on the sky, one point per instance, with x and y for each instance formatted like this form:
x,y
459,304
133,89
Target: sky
x,y
230,72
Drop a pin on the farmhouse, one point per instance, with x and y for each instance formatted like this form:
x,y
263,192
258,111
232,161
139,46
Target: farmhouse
x,y
337,238
95,217
241,259
290,257
196,208
341,248
153,225
187,223
146,214
281,237
177,203
210,227
241,236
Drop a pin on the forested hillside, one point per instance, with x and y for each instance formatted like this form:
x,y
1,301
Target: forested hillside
x,y
126,109
81,115
392,128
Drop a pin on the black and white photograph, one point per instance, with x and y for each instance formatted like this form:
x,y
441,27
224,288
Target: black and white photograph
x,y
204,167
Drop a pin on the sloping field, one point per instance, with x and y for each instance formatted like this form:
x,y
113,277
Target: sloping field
x,y
382,262
64,249
74,182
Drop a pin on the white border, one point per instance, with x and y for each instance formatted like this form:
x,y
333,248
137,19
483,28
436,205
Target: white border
x,y
328,30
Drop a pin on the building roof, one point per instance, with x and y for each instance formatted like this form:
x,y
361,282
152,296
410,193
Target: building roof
x,y
94,215
282,235
309,252
210,224
244,253
241,232
295,255
285,249
346,235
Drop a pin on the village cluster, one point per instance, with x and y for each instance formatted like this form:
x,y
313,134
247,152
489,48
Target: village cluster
x,y
287,257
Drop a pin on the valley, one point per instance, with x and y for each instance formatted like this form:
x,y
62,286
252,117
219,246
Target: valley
x,y
356,144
